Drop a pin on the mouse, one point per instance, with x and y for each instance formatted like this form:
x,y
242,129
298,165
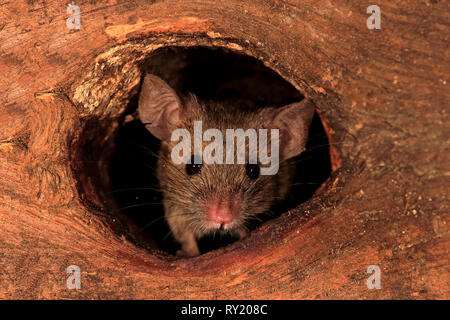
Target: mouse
x,y
205,197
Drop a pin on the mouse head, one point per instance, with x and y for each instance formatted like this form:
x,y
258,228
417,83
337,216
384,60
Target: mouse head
x,y
219,195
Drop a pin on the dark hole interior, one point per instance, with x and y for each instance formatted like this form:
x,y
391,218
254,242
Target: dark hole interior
x,y
209,73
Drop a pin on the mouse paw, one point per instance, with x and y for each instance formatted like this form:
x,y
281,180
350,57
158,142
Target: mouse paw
x,y
191,252
189,247
242,233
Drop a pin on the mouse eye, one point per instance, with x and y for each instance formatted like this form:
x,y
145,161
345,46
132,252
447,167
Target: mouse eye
x,y
193,168
252,171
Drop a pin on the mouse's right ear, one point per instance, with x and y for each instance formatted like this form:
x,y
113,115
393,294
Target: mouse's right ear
x,y
159,107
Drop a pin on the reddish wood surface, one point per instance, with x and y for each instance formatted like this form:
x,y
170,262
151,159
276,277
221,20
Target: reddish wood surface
x,y
383,95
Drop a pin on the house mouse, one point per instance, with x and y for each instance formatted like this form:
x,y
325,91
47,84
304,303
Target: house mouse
x,y
205,198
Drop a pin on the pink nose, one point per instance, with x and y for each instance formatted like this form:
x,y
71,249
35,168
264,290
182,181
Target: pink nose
x,y
221,212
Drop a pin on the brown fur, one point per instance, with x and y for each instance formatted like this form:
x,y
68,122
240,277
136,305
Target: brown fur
x,y
185,195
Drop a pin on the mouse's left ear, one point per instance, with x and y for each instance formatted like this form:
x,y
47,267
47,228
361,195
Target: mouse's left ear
x,y
159,107
293,121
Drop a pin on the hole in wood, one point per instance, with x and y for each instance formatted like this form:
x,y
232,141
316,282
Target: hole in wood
x,y
123,170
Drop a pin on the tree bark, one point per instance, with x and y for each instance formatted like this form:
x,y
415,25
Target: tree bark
x,y
382,94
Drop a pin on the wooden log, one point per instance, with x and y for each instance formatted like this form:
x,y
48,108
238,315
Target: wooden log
x,y
382,94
